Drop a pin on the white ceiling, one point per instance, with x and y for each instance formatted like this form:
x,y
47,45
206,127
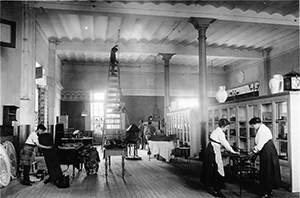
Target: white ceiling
x,y
87,30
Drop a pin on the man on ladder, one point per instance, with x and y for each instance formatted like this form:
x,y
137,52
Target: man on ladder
x,y
113,59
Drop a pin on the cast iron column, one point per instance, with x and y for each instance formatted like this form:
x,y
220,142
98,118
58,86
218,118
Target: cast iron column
x,y
166,58
201,24
264,87
51,83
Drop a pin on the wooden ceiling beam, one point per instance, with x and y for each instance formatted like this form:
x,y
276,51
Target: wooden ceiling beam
x,y
151,49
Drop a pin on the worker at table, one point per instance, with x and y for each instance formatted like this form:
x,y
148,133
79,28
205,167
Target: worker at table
x,y
26,153
213,169
269,168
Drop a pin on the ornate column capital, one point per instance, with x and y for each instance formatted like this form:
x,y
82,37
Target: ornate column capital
x,y
166,56
53,42
266,52
200,23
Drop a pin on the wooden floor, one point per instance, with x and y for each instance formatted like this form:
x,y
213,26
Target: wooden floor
x,y
143,179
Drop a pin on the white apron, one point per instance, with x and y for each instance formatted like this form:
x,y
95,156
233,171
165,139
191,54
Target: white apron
x,y
218,157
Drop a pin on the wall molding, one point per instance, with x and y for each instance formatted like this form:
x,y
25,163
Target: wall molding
x,y
75,95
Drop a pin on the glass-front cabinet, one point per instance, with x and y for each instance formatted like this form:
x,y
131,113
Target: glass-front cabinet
x,y
279,112
242,128
252,112
281,129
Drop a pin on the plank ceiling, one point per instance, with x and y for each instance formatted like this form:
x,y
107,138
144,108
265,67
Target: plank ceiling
x,y
87,30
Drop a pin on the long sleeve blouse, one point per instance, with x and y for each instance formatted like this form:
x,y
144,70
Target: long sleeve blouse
x,y
263,135
219,136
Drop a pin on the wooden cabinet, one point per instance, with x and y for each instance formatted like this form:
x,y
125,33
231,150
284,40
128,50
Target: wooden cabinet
x,y
185,124
280,112
9,114
9,121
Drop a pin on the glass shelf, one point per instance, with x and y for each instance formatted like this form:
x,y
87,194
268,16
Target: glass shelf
x,y
266,111
242,129
253,111
232,114
252,132
242,114
281,110
282,150
216,115
210,115
282,131
224,113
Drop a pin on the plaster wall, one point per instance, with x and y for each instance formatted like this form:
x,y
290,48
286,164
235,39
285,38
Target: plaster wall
x,y
282,63
133,81
285,62
141,107
77,77
42,50
10,65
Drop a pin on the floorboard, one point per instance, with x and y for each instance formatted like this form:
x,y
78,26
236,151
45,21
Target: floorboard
x,y
143,178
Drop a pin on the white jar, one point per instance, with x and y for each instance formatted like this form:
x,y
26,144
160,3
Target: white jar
x,y
276,83
221,94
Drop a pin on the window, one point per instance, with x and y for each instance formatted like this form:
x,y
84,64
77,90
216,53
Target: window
x,y
97,109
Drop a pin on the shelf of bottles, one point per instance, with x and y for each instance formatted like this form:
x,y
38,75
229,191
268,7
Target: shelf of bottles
x,y
233,126
281,129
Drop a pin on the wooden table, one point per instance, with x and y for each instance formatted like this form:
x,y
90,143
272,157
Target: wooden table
x,y
107,153
70,154
83,140
162,148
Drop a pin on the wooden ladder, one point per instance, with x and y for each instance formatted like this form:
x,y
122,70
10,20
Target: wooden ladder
x,y
114,113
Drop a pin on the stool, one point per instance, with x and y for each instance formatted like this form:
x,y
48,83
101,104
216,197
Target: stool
x,y
182,152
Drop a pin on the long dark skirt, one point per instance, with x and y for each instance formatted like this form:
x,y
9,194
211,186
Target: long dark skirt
x,y
210,175
51,159
269,172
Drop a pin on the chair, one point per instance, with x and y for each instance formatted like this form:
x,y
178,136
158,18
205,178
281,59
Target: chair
x,y
244,165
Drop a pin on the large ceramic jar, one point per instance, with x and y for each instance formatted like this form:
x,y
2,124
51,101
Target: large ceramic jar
x,y
221,94
276,84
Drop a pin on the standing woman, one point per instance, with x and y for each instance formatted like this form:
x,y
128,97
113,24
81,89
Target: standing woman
x,y
141,134
213,169
269,169
26,153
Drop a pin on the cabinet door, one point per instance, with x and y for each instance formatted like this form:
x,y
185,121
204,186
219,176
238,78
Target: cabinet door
x,y
242,128
252,112
281,129
267,115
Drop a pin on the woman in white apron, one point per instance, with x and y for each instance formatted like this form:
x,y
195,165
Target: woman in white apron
x,y
213,169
